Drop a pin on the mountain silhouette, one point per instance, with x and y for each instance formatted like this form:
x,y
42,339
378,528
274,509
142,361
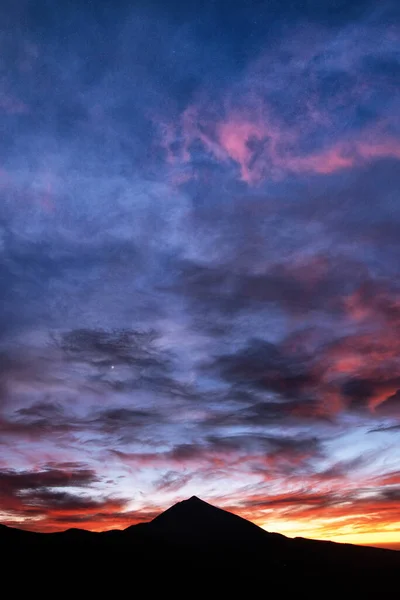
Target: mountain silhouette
x,y
195,521
197,538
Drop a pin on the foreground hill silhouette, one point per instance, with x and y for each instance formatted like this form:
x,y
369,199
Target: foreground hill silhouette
x,y
198,540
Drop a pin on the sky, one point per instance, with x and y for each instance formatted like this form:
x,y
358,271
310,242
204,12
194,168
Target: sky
x,y
200,263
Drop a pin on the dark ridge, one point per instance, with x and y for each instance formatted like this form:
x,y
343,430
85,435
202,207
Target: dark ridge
x,y
194,539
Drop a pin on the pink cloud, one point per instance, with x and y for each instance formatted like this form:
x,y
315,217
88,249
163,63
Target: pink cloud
x,y
326,162
264,148
236,137
379,148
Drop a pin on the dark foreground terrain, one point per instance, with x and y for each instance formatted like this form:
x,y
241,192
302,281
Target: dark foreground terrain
x,y
192,546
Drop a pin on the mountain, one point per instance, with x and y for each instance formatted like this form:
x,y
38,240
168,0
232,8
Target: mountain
x,y
195,521
197,539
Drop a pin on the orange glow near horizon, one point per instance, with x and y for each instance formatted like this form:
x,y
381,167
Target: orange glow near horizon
x,y
321,529
350,527
318,528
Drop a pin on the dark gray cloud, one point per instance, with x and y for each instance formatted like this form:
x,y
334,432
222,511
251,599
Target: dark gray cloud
x,y
46,494
391,494
110,348
173,481
360,392
389,428
262,365
32,480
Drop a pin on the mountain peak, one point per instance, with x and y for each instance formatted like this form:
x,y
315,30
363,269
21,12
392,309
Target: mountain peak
x,y
185,511
194,500
195,519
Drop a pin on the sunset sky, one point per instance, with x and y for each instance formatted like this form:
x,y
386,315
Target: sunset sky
x,y
200,263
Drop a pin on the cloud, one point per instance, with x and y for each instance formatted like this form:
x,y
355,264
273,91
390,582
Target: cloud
x,y
43,498
116,418
122,347
31,490
173,481
252,126
295,286
391,478
331,512
259,413
263,365
38,421
390,406
378,393
284,384
261,149
120,357
217,455
15,481
49,421
389,428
